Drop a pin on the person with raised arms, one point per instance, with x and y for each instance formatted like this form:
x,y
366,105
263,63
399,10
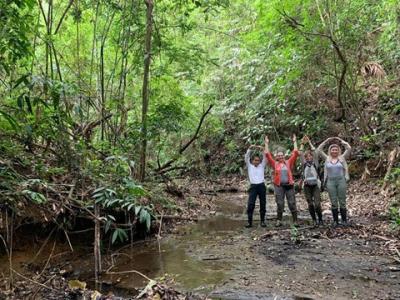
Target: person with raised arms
x,y
283,180
311,180
256,169
336,176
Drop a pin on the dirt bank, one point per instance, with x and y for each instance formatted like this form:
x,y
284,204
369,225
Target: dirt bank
x,y
217,257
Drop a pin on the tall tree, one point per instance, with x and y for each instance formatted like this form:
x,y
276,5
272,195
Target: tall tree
x,y
145,88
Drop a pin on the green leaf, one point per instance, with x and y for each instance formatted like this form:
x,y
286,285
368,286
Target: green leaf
x,y
148,222
99,200
98,190
137,209
111,192
38,198
114,236
143,216
119,234
107,227
28,104
23,79
123,235
10,120
20,102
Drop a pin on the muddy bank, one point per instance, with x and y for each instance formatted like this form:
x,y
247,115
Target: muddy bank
x,y
321,266
217,257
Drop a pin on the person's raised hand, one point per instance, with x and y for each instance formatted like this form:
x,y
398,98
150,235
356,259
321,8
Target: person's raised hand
x,y
294,138
305,139
266,139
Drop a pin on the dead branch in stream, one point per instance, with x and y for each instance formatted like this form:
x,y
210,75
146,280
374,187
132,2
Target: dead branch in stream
x,y
129,272
34,281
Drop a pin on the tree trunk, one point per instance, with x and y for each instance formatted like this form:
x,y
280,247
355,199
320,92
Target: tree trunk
x,y
97,237
145,89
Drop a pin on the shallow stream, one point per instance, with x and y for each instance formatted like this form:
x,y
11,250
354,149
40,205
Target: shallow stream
x,y
182,257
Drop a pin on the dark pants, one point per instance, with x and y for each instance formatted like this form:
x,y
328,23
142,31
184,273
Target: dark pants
x,y
313,197
254,191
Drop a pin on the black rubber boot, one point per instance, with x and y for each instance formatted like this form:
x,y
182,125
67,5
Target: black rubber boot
x,y
311,209
249,222
343,214
249,225
319,214
335,215
262,220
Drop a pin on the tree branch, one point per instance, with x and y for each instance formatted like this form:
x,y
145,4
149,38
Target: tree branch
x,y
184,147
63,16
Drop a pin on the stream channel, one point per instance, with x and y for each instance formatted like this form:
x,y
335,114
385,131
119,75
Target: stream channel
x,y
187,256
219,258
214,257
197,257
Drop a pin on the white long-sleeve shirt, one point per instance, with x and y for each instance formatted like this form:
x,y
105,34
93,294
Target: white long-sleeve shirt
x,y
256,174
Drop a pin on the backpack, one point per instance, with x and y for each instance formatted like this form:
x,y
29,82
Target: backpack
x,y
307,170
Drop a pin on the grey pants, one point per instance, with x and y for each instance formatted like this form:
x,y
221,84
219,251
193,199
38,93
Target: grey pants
x,y
280,194
337,192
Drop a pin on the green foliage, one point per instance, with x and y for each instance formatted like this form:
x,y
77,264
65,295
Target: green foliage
x,y
294,235
35,197
11,121
119,234
125,197
395,217
16,19
394,176
32,191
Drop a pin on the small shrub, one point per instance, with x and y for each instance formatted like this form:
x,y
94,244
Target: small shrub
x,y
394,213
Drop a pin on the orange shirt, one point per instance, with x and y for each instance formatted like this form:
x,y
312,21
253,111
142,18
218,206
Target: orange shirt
x,y
277,166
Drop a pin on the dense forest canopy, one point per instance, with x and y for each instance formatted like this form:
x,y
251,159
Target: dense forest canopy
x,y
109,93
